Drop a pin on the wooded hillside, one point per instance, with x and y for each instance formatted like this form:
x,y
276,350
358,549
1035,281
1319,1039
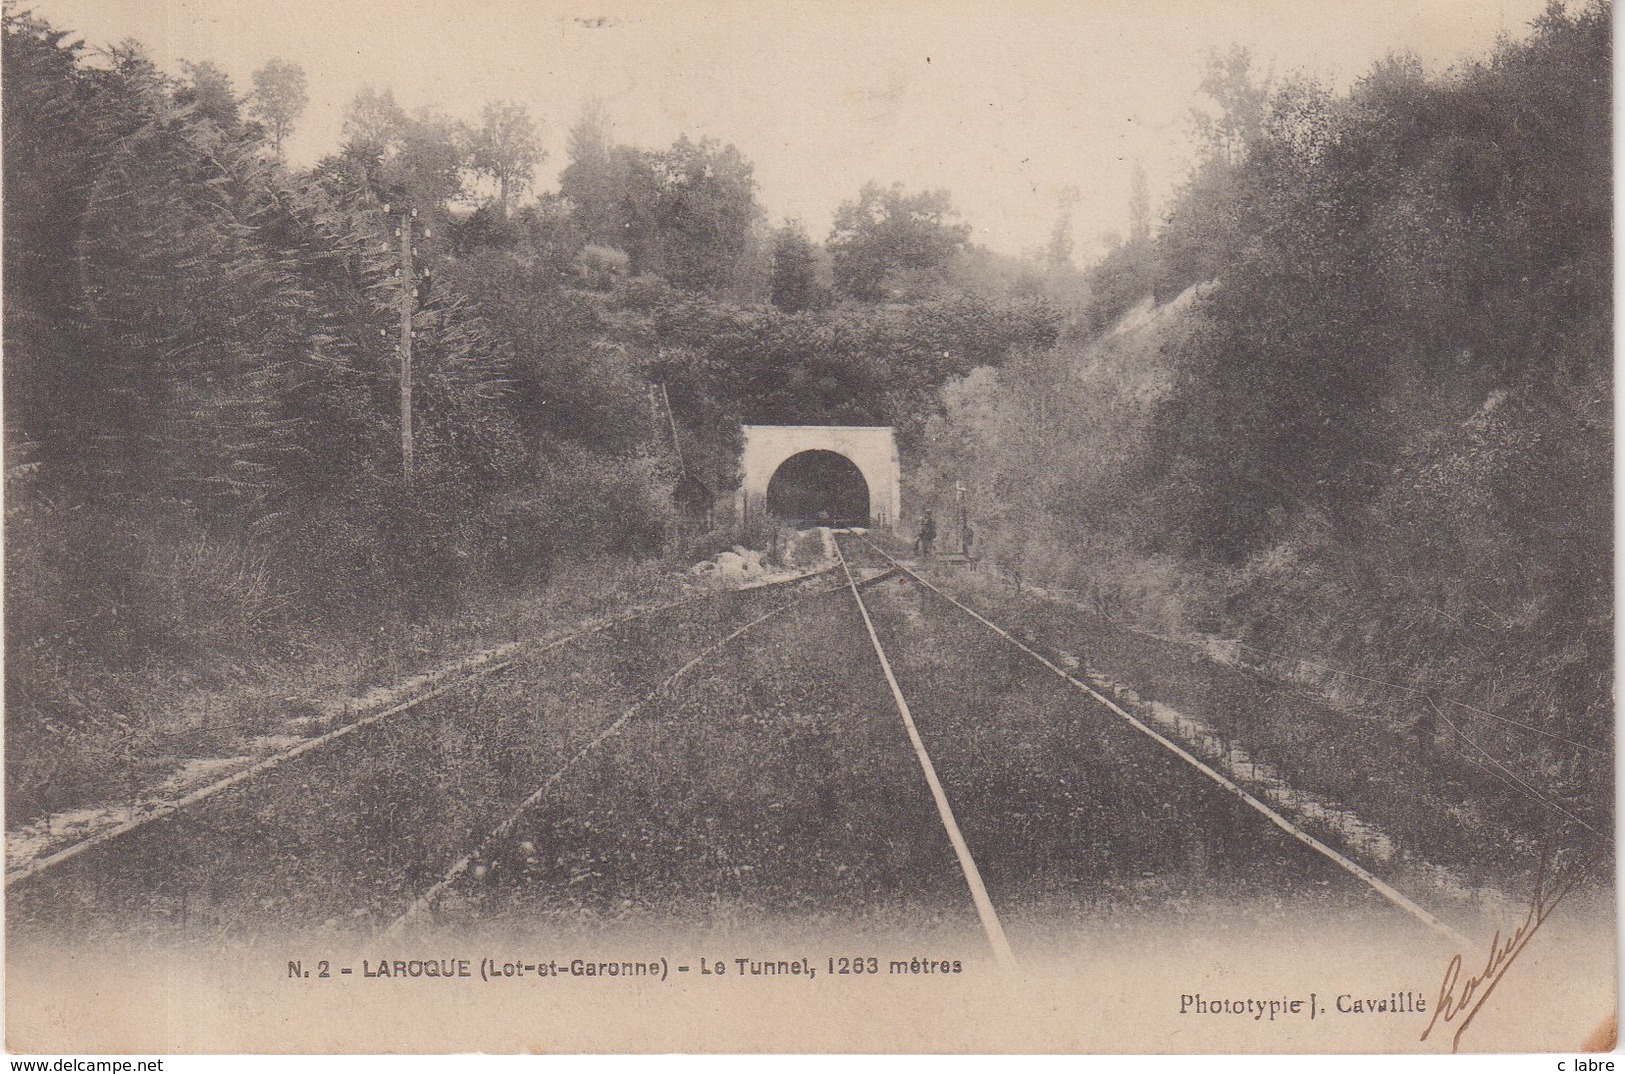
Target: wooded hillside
x,y
204,475
1374,433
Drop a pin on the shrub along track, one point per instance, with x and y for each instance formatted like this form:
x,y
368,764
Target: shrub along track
x,y
343,827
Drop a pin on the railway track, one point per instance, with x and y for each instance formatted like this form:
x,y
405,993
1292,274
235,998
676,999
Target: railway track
x,y
441,684
1399,900
167,835
585,855
882,753
425,903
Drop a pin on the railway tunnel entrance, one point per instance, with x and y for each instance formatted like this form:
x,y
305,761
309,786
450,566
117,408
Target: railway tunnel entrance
x,y
819,486
839,474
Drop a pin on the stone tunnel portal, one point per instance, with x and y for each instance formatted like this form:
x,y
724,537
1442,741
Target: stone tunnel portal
x,y
800,471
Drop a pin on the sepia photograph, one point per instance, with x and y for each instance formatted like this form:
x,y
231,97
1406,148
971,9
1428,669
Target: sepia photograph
x,y
809,527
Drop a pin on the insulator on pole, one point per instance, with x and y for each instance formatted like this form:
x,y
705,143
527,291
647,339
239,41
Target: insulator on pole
x,y
386,206
428,234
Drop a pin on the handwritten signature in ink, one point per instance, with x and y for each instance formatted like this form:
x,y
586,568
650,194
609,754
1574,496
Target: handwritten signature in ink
x,y
1460,999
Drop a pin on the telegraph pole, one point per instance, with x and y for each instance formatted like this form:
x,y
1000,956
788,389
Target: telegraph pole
x,y
964,517
408,301
409,297
671,419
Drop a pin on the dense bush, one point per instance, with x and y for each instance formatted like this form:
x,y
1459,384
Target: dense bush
x,y
1377,426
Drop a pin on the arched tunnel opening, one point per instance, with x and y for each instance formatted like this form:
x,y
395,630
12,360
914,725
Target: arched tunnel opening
x,y
819,488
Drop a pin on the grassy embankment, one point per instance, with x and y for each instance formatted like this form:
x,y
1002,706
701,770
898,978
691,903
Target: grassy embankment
x,y
1449,828
178,721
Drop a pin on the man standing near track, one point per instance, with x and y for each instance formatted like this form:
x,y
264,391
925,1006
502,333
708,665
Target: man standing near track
x,y
928,534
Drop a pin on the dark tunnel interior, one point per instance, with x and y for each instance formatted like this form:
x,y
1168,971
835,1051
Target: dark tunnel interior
x,y
819,488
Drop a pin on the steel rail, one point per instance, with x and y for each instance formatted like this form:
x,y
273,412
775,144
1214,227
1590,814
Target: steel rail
x,y
514,652
242,775
1380,886
967,863
425,902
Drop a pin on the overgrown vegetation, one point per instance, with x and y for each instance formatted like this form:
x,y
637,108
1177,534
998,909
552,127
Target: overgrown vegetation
x,y
203,477
1350,402
1375,430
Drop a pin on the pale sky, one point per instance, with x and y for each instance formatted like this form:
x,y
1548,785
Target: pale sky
x,y
1006,105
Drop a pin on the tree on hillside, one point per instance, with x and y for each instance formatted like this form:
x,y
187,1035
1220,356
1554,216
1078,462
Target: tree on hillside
x,y
705,208
889,241
507,149
372,121
1422,229
1139,207
53,116
1057,252
279,98
687,213
589,180
794,285
1237,106
1131,269
430,160
419,158
593,133
208,90
1204,229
